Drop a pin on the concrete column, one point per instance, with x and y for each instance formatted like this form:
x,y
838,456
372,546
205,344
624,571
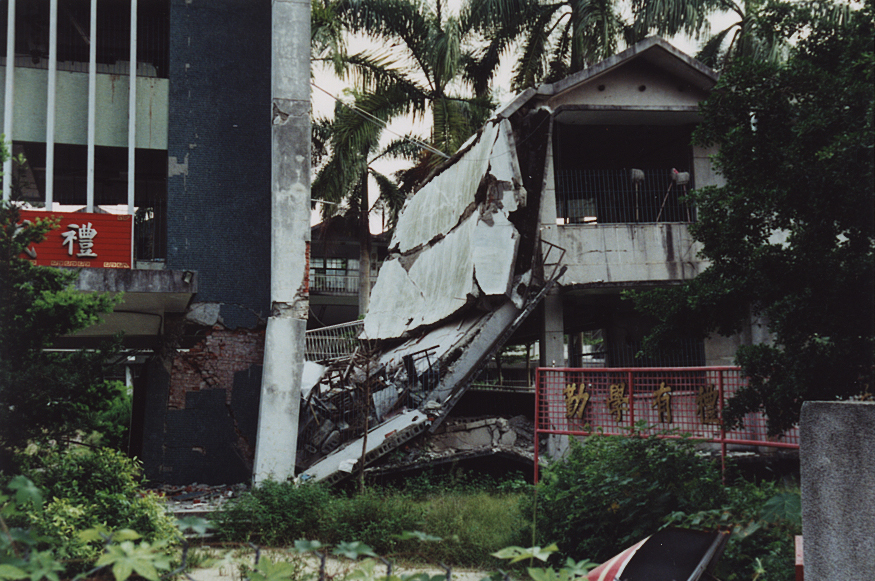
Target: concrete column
x,y
8,116
837,461
553,332
277,437
553,355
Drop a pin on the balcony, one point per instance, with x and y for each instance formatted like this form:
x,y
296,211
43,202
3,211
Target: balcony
x,y
614,197
337,284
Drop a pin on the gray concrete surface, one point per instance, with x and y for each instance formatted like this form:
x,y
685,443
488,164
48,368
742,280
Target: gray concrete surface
x,y
838,490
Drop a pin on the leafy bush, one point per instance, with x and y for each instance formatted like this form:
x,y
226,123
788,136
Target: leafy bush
x,y
611,492
92,489
113,424
372,517
276,513
764,519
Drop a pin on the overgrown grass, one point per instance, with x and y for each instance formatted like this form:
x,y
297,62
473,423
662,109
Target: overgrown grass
x,y
606,496
472,522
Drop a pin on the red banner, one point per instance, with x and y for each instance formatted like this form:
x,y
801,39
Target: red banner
x,y
83,240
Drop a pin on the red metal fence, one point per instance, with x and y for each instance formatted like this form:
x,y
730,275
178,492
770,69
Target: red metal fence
x,y
683,400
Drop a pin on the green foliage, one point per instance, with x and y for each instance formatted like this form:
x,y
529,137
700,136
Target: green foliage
x,y
790,236
276,513
87,489
763,520
557,39
611,492
472,525
44,395
113,424
373,517
461,528
572,569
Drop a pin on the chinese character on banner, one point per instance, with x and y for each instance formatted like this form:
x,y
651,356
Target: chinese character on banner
x,y
84,235
617,401
662,403
706,404
576,399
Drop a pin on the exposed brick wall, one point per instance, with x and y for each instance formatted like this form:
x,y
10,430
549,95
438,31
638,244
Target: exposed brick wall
x,y
212,363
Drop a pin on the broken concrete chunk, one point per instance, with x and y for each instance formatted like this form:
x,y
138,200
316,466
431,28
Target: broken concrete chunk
x,y
206,314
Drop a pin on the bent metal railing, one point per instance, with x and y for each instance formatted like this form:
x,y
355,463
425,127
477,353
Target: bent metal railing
x,y
333,342
678,400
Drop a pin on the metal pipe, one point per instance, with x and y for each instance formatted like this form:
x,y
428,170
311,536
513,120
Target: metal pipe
x,y
92,106
132,110
51,94
10,85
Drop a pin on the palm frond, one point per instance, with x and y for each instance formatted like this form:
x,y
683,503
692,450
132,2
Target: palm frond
x,y
710,52
530,66
390,197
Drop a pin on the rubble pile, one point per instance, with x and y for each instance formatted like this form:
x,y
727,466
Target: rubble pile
x,y
197,499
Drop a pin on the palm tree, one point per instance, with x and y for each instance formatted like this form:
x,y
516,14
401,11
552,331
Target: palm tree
x,y
428,68
429,61
764,29
351,144
560,37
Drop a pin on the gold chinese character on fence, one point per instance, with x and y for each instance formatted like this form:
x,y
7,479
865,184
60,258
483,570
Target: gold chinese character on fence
x,y
662,403
706,405
617,401
576,398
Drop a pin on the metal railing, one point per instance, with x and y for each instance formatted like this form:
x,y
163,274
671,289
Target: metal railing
x,y
681,400
614,196
334,283
333,342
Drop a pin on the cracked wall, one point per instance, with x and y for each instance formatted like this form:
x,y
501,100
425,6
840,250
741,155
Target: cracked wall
x,y
202,409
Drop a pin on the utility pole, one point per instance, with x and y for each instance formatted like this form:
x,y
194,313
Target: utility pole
x,y
284,346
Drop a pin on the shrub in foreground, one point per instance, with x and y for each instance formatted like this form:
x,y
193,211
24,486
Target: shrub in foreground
x,y
91,488
611,491
276,513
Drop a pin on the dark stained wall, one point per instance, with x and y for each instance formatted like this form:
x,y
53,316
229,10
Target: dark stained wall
x,y
219,152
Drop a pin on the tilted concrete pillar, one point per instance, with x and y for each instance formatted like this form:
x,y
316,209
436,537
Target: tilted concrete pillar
x,y
290,236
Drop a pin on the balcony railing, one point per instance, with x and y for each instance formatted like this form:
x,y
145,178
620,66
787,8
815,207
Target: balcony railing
x,y
345,284
334,342
614,196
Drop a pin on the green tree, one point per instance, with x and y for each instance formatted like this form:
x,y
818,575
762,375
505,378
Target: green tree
x,y
764,30
790,235
44,395
562,37
427,67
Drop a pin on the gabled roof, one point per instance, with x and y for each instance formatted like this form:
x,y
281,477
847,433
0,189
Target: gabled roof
x,y
654,51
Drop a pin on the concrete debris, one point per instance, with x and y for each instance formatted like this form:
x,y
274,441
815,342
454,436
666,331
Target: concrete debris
x,y
464,270
197,499
464,438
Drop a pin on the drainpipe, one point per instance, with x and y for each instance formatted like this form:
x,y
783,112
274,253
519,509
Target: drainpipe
x,y
277,435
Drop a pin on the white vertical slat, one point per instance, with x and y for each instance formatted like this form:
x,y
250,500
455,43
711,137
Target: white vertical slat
x,y
92,105
51,94
7,114
132,109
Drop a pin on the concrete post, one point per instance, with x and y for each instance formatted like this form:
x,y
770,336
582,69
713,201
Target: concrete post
x,y
284,348
837,461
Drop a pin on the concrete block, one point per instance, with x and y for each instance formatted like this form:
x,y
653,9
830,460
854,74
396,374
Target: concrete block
x,y
206,314
838,489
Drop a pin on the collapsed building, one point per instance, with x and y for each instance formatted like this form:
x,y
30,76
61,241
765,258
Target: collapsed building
x,y
569,195
527,235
